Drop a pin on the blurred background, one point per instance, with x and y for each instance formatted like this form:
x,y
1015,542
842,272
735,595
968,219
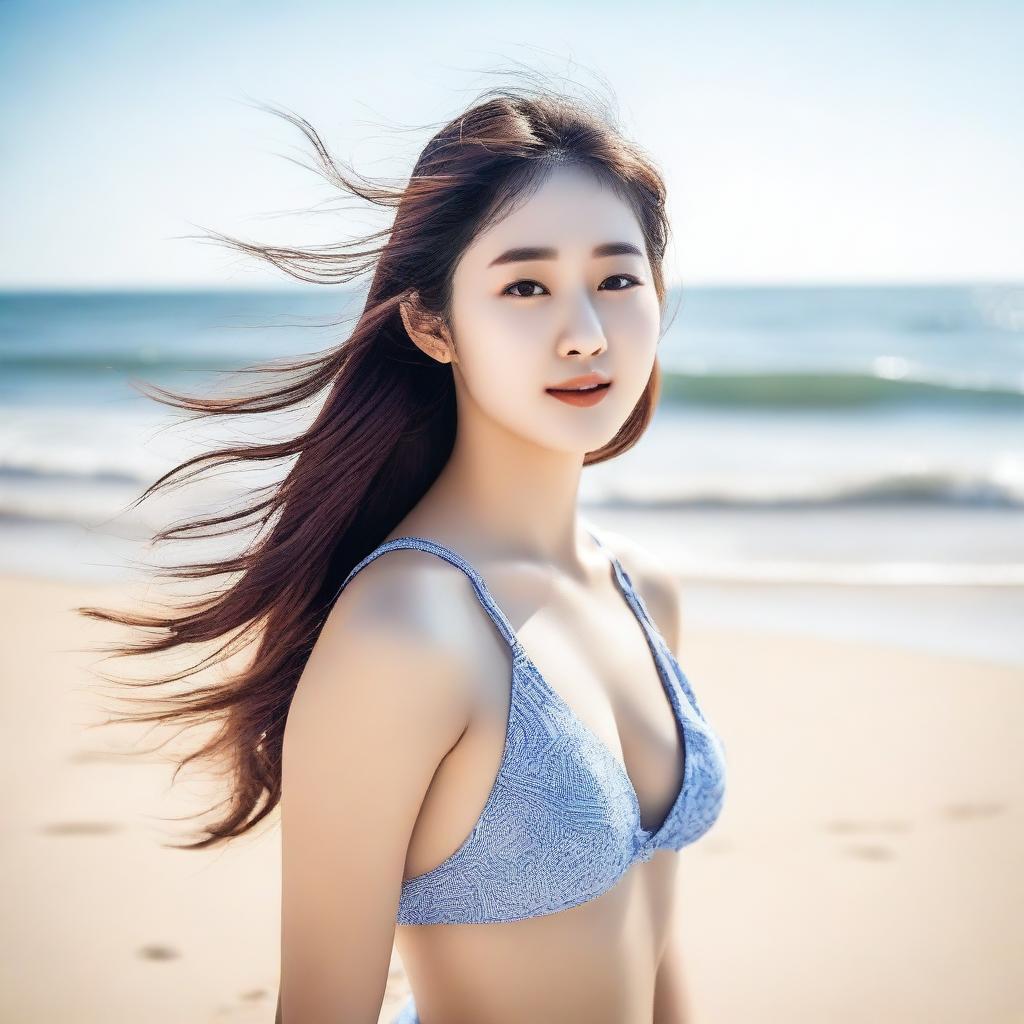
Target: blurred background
x,y
835,470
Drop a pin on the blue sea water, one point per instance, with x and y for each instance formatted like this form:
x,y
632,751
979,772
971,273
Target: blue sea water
x,y
869,435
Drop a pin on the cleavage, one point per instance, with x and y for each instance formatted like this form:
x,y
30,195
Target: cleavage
x,y
596,658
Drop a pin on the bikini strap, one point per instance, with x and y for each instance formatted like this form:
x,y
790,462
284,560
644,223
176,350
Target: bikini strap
x,y
625,583
483,594
436,548
620,573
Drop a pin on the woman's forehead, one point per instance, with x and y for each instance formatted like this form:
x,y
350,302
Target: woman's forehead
x,y
571,211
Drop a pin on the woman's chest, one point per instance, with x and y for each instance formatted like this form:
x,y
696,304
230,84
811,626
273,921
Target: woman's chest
x,y
596,691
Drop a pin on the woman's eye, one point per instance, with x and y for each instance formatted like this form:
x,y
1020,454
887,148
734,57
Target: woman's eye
x,y
521,284
631,282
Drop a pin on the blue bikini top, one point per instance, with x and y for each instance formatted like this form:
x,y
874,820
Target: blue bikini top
x,y
561,824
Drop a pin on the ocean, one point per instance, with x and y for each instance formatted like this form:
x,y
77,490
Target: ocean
x,y
806,437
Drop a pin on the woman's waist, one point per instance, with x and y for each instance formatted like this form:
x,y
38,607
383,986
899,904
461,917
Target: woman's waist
x,y
553,973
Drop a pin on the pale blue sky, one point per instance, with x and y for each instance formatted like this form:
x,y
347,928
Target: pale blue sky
x,y
802,142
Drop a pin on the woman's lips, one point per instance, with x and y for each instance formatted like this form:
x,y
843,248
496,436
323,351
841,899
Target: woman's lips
x,y
589,396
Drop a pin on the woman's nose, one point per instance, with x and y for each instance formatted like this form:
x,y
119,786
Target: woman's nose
x,y
583,331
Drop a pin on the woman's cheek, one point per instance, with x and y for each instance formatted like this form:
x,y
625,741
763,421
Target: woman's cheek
x,y
498,363
512,372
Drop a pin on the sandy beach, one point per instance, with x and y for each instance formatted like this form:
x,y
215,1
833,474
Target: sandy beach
x,y
866,865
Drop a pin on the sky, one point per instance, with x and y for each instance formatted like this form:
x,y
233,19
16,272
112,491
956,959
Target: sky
x,y
802,143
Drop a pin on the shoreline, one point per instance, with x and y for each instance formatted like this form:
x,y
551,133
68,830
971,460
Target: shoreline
x,y
960,620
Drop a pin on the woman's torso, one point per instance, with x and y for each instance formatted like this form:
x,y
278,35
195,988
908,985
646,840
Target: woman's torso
x,y
596,960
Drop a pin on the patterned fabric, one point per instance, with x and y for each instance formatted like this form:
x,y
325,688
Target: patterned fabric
x,y
562,822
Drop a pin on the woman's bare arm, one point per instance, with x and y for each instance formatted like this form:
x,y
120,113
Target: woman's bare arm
x,y
671,996
378,706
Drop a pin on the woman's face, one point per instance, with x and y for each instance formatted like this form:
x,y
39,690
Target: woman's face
x,y
527,321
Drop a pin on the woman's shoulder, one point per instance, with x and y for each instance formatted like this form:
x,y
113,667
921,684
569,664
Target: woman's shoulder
x,y
401,613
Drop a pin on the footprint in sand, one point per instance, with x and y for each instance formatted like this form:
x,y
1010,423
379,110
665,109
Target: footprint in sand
x,y
870,851
110,757
154,951
867,850
845,826
254,995
94,756
79,828
973,809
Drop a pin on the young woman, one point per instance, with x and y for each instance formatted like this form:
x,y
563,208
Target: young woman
x,y
467,700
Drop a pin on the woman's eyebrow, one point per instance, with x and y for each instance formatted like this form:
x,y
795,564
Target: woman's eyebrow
x,y
536,252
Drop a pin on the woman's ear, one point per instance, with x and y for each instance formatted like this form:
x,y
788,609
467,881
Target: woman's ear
x,y
427,330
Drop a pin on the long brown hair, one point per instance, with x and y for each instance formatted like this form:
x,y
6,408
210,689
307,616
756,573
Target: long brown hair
x,y
383,434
